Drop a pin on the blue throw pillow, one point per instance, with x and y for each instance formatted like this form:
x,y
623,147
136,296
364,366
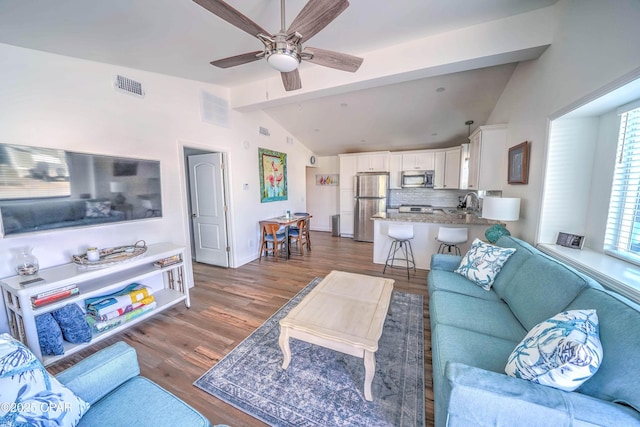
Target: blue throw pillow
x,y
30,396
562,352
98,209
49,335
482,263
74,327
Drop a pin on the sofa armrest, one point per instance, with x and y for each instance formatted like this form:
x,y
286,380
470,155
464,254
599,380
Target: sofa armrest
x,y
97,375
485,398
445,262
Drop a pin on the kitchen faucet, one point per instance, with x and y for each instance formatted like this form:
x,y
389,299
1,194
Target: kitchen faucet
x,y
472,206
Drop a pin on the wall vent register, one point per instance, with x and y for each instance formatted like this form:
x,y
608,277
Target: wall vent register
x,y
128,85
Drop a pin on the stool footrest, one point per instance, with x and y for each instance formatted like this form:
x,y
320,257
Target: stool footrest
x,y
406,256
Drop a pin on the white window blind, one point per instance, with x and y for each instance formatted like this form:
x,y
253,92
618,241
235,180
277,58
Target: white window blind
x,y
622,237
33,172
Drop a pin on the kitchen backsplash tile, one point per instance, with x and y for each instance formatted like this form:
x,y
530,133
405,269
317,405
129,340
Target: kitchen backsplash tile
x,y
424,196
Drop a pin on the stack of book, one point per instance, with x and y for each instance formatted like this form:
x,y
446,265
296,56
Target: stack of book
x,y
53,295
165,262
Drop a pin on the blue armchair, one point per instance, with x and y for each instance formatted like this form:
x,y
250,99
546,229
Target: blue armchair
x,y
110,382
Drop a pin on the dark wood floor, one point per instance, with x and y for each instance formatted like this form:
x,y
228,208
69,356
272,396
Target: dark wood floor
x,y
177,346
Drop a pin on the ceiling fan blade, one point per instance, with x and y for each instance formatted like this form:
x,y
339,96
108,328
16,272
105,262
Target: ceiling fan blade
x,y
232,16
316,15
331,59
232,61
291,80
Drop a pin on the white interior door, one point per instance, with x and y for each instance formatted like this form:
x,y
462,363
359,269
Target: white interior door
x,y
208,209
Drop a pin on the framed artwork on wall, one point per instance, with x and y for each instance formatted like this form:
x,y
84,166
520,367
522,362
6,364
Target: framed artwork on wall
x,y
331,179
273,175
519,164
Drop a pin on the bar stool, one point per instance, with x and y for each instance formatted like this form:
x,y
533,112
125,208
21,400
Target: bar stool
x,y
401,235
450,238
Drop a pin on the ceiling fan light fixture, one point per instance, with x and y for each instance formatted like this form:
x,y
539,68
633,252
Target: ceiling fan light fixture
x,y
283,60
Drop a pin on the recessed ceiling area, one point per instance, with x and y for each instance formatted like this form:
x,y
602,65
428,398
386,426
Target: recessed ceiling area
x,y
390,103
418,114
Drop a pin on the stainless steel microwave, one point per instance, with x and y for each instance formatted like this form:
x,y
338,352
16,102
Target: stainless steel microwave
x,y
417,179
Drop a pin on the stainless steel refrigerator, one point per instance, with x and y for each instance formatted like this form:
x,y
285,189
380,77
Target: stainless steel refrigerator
x,y
371,198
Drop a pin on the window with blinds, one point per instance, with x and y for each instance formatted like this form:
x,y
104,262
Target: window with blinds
x,y
622,237
33,172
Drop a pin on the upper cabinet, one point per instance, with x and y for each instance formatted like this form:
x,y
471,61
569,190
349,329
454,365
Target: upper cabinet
x,y
373,162
347,171
418,160
395,170
447,169
487,146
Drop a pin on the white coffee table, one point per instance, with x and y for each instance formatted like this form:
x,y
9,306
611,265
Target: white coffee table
x,y
344,312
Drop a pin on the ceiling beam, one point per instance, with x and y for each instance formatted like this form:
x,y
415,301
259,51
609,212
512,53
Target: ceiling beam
x,y
513,39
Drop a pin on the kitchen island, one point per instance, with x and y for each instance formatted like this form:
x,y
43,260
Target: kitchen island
x,y
425,229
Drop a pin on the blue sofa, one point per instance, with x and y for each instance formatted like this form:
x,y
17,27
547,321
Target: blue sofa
x,y
22,217
473,332
109,381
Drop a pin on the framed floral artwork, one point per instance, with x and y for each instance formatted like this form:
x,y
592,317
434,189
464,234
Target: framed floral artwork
x,y
273,175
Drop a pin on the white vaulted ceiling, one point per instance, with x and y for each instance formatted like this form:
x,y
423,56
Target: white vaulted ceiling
x,y
410,48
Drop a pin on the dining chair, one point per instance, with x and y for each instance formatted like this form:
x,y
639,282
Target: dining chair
x,y
272,234
308,237
299,234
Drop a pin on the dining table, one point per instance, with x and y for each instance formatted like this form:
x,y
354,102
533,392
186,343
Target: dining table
x,y
287,221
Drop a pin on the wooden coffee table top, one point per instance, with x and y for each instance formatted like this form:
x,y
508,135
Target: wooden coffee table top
x,y
345,307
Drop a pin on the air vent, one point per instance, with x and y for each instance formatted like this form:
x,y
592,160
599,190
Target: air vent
x,y
264,131
129,86
214,110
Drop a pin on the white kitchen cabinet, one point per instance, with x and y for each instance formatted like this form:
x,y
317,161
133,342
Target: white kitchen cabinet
x,y
168,284
346,224
348,170
447,169
373,162
395,170
487,148
418,160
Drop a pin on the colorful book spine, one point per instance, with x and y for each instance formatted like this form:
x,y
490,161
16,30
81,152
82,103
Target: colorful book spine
x,y
165,262
55,291
39,302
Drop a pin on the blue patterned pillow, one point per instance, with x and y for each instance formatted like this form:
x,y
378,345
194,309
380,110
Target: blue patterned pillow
x,y
98,209
562,352
74,326
49,335
30,396
482,263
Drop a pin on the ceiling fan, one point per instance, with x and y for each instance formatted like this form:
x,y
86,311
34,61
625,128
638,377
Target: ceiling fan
x,y
283,50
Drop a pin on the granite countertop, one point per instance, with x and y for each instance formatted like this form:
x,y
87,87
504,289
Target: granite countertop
x,y
435,218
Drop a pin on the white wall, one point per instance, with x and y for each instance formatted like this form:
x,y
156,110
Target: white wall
x,y
595,43
323,200
60,102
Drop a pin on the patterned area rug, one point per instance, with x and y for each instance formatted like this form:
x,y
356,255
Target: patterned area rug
x,y
323,387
